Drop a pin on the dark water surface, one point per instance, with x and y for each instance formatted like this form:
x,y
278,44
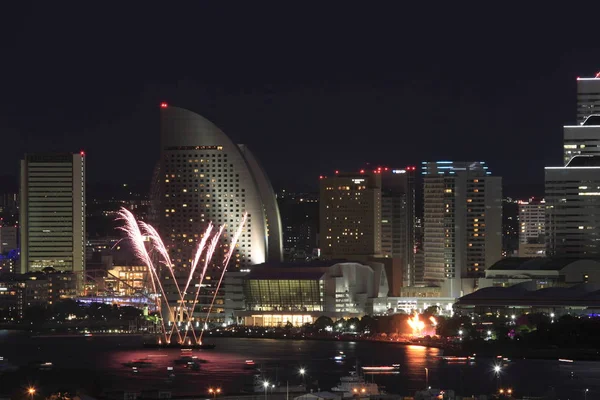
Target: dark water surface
x,y
96,363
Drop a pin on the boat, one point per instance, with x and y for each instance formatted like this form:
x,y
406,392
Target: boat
x,y
454,359
381,368
354,385
340,357
143,363
250,364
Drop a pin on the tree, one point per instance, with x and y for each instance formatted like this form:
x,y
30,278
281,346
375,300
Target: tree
x,y
430,311
36,314
367,323
323,322
353,322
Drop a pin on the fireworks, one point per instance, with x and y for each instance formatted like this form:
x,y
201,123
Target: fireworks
x,y
416,324
142,234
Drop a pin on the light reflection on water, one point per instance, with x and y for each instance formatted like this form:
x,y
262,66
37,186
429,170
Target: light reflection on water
x,y
98,361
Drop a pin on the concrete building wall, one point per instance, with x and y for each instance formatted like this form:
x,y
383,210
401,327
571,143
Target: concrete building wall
x,y
573,211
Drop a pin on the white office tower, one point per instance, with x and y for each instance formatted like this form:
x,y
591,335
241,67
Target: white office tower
x,y
582,139
588,97
52,212
462,223
573,208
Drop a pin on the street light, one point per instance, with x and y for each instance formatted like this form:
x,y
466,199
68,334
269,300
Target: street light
x,y
585,393
214,392
266,385
31,391
497,370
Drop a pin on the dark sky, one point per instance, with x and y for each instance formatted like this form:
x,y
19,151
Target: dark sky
x,y
309,87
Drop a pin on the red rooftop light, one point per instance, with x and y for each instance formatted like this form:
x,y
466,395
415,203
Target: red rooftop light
x,y
337,172
164,105
362,171
82,153
597,74
320,176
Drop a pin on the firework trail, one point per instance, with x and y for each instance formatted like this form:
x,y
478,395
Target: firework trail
x,y
234,241
207,258
198,255
160,247
133,232
139,232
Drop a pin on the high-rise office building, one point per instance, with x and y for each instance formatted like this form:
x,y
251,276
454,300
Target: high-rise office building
x,y
573,208
588,97
350,215
52,212
205,177
582,139
398,218
532,228
8,238
532,220
462,221
300,222
370,215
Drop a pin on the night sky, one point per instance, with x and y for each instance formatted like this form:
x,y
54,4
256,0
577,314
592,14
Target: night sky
x,y
310,88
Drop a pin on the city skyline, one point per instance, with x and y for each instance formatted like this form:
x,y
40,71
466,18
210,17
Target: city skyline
x,y
288,98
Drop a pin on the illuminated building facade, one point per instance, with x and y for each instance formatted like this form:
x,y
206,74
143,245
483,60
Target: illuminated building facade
x,y
203,177
573,208
532,220
462,222
582,139
350,215
206,177
52,212
588,97
276,294
127,280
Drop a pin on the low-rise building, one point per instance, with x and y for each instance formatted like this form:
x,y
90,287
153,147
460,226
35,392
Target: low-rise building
x,y
278,293
20,291
525,297
543,272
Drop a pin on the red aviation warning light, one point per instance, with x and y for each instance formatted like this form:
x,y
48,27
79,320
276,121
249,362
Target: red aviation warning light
x,y
82,153
597,74
164,105
362,171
